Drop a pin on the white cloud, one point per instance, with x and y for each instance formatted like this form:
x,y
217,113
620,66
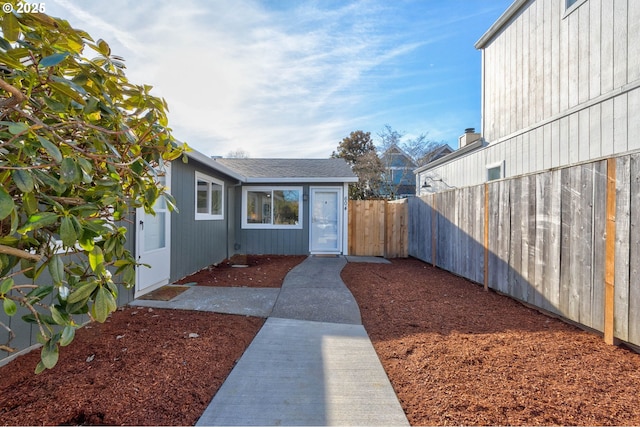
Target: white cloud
x,y
290,81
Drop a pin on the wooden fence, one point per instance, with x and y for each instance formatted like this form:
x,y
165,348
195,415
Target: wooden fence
x,y
565,240
378,228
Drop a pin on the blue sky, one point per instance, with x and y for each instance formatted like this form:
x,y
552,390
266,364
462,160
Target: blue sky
x,y
287,78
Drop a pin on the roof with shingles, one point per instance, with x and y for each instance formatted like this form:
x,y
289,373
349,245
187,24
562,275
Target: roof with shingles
x,y
291,170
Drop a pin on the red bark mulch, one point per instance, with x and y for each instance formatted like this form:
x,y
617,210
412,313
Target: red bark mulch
x,y
454,354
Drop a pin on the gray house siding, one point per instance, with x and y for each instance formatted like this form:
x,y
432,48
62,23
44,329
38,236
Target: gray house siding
x,y
196,244
560,87
272,241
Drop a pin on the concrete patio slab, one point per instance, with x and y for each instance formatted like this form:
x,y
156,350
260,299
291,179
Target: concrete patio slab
x,y
230,300
370,259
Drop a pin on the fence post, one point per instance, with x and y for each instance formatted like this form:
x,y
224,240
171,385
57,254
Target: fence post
x,y
486,237
610,251
434,240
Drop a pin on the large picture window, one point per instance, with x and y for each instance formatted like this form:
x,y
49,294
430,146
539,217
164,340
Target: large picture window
x,y
209,197
272,207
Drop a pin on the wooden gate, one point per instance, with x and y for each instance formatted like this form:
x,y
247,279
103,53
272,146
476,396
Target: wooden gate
x,y
378,228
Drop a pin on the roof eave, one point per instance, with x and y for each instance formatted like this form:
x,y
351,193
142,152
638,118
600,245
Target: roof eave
x,y
202,158
305,180
500,22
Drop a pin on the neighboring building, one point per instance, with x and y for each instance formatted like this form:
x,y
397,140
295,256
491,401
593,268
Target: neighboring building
x,y
398,180
560,86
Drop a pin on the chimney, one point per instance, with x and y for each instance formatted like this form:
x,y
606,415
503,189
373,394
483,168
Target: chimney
x,y
468,137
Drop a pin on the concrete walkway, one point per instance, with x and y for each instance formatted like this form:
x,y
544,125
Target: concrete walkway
x,y
312,363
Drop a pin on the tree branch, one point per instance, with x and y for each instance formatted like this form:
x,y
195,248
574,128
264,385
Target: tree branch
x,y
16,96
19,253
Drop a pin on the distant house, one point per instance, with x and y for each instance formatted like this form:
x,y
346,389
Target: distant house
x,y
398,180
560,85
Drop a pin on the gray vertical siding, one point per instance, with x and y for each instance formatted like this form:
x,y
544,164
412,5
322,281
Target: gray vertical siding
x,y
195,244
272,241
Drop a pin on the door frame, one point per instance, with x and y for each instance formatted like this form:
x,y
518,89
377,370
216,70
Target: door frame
x,y
342,214
139,242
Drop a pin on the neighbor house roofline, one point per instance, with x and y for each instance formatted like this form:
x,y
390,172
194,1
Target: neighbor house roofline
x,y
445,159
500,23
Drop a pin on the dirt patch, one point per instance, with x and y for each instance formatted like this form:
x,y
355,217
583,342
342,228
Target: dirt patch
x,y
457,355
266,271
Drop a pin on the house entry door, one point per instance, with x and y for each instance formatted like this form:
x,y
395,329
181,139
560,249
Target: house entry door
x,y
153,245
326,221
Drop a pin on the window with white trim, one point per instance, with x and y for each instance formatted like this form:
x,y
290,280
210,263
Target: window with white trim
x,y
209,197
272,207
495,171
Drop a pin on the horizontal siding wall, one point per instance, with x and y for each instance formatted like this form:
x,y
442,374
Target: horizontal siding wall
x,y
546,240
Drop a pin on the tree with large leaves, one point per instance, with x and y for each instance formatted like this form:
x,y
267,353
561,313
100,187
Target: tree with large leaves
x,y
80,147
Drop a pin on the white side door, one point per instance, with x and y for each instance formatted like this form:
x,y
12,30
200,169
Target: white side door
x,y
153,244
326,221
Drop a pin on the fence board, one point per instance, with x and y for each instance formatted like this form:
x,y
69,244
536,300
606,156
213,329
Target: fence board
x,y
396,245
599,240
634,252
622,249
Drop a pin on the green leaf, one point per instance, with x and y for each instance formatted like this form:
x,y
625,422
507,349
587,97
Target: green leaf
x,y
38,293
66,91
56,269
6,285
49,354
69,171
96,259
103,305
23,180
29,203
6,203
50,148
10,27
39,220
40,368
18,127
67,231
9,306
58,317
68,333
104,48
52,60
82,293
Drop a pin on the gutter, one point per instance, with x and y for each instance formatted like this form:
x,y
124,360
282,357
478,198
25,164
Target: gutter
x,y
500,23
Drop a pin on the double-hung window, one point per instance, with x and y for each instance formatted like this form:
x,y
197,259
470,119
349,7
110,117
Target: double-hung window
x,y
209,197
272,207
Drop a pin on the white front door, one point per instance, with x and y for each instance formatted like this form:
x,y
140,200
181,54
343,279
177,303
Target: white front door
x,y
153,244
326,221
